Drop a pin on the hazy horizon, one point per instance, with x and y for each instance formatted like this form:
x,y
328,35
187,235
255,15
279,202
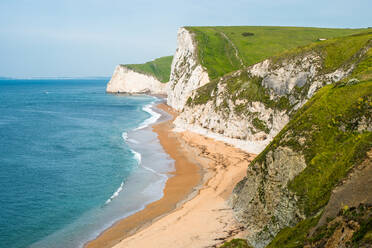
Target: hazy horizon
x,y
89,38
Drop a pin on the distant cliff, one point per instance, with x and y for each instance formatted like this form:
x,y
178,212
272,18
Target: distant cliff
x,y
125,80
151,77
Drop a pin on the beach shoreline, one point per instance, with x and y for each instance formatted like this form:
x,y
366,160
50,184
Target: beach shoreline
x,y
179,187
197,189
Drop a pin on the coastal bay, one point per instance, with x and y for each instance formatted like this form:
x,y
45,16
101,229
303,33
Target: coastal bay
x,y
198,190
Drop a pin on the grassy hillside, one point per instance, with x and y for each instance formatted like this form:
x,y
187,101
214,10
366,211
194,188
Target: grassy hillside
x,y
335,53
159,68
225,49
330,131
329,123
333,145
355,223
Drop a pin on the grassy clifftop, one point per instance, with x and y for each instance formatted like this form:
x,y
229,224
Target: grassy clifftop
x,y
225,49
335,53
159,68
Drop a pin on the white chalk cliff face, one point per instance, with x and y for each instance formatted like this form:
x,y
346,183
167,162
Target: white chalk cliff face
x,y
186,72
256,123
125,80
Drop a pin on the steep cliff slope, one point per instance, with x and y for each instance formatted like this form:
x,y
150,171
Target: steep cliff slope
x,y
249,107
151,77
321,154
206,53
186,74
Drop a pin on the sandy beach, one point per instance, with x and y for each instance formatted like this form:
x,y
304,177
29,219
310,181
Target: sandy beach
x,y
193,211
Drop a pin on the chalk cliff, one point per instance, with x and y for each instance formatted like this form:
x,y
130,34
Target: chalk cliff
x,y
249,107
125,80
186,72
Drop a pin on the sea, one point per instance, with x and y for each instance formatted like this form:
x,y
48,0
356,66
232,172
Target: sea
x,y
74,160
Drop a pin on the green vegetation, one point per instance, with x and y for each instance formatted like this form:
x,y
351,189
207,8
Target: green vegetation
x,y
260,125
243,86
300,235
204,94
334,52
364,68
236,243
333,145
293,237
225,49
328,123
325,130
159,68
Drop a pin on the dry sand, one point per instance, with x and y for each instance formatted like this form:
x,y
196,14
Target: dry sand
x,y
193,211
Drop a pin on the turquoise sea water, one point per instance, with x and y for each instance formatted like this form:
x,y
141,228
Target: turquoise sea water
x,y
73,160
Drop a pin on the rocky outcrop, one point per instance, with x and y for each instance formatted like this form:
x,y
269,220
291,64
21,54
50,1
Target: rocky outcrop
x,y
125,80
351,228
262,200
186,73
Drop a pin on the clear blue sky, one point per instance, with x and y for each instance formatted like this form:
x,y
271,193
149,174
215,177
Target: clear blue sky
x,y
89,37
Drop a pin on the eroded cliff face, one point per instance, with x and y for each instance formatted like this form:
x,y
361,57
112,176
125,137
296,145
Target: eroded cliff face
x,y
262,200
186,74
125,80
251,121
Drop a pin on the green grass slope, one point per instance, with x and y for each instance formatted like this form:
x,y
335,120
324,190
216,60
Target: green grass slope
x,y
159,68
225,49
335,53
333,145
326,130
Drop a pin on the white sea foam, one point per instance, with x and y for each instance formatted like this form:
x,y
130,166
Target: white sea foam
x,y
116,193
154,171
137,156
124,135
154,117
126,139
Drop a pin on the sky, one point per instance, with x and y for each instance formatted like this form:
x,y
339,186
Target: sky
x,y
83,38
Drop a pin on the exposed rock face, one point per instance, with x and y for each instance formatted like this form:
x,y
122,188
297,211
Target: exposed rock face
x,y
186,73
255,124
262,200
125,80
